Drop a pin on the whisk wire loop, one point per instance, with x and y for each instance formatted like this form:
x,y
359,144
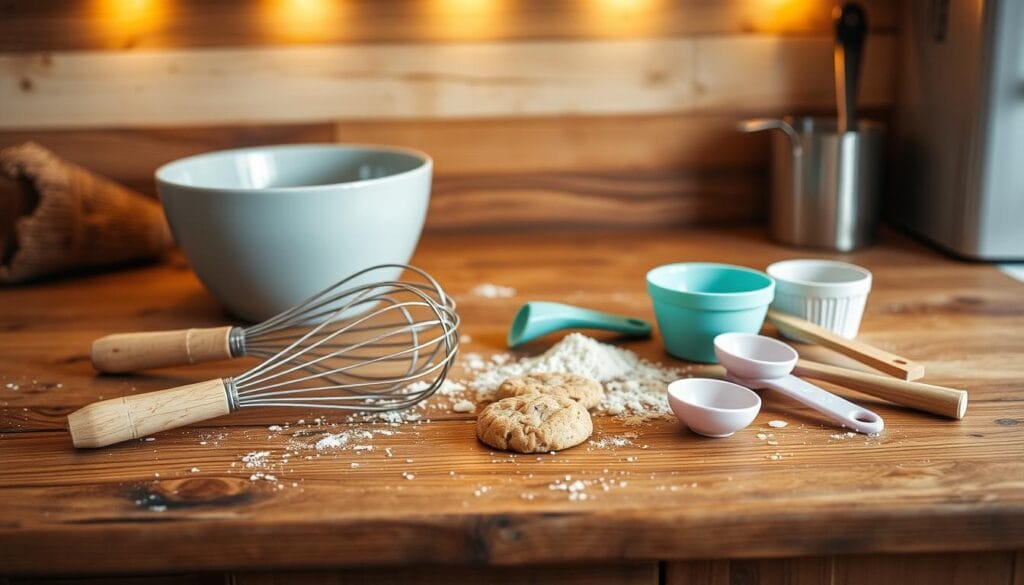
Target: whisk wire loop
x,y
373,346
284,355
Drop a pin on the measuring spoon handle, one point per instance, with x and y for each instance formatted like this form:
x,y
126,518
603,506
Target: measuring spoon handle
x,y
839,409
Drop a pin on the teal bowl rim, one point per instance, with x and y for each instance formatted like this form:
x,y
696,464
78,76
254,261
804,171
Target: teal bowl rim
x,y
712,301
426,164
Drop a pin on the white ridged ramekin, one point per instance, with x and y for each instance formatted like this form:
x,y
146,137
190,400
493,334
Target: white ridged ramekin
x,y
825,292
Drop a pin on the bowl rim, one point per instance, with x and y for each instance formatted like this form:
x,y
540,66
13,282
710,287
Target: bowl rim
x,y
714,301
780,271
426,163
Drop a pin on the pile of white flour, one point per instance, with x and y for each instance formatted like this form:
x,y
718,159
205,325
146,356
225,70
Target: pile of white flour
x,y
634,387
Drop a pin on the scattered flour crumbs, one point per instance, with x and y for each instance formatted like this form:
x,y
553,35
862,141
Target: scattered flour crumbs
x,y
634,392
351,438
493,291
634,387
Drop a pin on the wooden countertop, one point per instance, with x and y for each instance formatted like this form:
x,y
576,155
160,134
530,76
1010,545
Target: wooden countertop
x,y
185,501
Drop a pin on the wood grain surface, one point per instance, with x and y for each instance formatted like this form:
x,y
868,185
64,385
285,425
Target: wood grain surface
x,y
585,170
508,173
512,173
566,114
984,568
62,25
627,574
186,501
169,87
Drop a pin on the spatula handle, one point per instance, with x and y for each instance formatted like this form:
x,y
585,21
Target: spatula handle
x,y
130,352
879,359
951,402
121,419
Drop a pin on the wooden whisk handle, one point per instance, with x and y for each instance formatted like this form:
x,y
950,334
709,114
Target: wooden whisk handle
x,y
121,419
951,402
130,352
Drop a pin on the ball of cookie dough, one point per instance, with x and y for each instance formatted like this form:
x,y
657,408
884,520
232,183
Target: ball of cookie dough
x,y
587,392
534,423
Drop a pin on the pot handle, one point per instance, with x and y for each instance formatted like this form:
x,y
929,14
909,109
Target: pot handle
x,y
762,124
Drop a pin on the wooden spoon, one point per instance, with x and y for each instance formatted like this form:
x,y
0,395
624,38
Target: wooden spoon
x,y
879,359
951,402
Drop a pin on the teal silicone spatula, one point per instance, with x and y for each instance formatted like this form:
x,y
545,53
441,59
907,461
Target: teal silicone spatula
x,y
538,318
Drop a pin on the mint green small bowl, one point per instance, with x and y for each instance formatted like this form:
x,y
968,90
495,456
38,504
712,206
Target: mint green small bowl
x,y
696,301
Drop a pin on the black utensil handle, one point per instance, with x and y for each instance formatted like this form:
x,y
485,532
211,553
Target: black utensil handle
x,y
851,24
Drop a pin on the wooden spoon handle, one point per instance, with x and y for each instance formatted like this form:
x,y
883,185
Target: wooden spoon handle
x,y
130,352
121,419
940,400
879,359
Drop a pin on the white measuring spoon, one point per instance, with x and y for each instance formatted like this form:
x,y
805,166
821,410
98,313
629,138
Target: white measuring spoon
x,y
756,361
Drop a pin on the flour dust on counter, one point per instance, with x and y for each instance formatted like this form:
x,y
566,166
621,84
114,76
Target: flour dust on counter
x,y
371,443
490,290
362,435
634,387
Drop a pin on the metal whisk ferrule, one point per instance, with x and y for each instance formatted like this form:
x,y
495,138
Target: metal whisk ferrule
x,y
232,393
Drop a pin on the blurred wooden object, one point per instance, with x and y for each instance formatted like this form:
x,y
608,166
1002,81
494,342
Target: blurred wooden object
x,y
65,218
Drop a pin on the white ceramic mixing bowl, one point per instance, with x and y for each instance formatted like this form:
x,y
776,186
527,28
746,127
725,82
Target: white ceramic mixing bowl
x,y
266,227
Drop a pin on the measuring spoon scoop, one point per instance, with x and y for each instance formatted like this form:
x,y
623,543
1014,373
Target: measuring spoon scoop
x,y
756,361
713,408
538,318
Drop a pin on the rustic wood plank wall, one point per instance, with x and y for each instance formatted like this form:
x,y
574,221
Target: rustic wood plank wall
x,y
594,112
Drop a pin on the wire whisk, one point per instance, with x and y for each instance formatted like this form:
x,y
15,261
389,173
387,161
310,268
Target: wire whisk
x,y
130,352
375,346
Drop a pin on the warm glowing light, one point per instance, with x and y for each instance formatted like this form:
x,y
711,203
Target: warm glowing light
x,y
622,17
774,16
125,23
622,5
304,21
467,19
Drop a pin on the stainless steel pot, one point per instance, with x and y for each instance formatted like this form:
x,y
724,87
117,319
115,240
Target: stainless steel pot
x,y
825,185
